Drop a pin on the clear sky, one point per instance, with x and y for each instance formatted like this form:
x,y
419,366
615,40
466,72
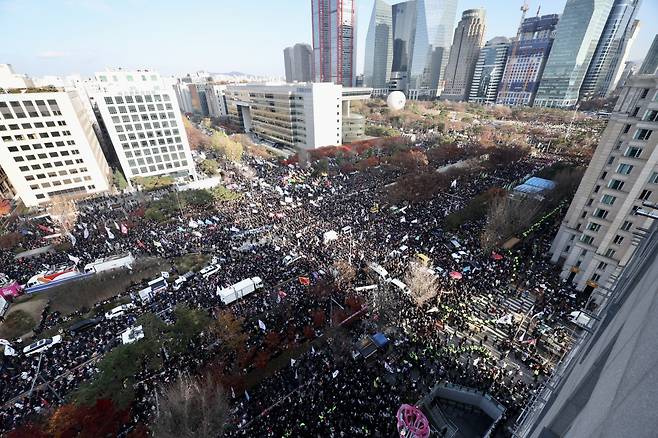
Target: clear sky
x,y
59,37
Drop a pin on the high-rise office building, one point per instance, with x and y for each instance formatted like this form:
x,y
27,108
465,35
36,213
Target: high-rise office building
x,y
48,146
464,53
141,116
576,38
489,70
334,41
379,47
433,26
299,116
612,49
298,61
404,28
595,239
526,60
650,64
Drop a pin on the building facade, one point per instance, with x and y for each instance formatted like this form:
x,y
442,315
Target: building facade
x,y
49,148
298,116
611,51
334,41
141,116
431,46
595,239
464,53
9,79
489,71
298,60
576,38
650,64
526,60
379,47
404,29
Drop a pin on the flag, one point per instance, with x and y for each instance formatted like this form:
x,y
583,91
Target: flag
x,y
530,342
72,238
140,244
476,361
232,392
292,362
246,395
44,228
453,184
74,259
157,243
85,233
335,373
109,233
124,229
116,225
507,319
312,350
304,281
261,324
9,351
388,367
282,294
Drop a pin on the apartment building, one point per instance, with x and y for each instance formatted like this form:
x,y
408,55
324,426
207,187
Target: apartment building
x,y
48,147
142,118
299,116
596,238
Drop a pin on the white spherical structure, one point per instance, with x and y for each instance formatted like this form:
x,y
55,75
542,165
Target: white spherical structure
x,y
396,100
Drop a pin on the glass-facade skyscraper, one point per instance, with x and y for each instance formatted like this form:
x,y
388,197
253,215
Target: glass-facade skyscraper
x,y
334,41
431,45
611,50
489,70
577,35
379,47
650,63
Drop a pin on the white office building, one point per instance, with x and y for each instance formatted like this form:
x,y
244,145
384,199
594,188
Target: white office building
x,y
299,116
140,113
48,147
597,237
9,79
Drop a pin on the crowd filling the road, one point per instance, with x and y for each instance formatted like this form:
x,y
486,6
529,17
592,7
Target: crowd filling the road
x,y
500,326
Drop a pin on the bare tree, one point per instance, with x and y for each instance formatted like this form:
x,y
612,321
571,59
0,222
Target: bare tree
x,y
344,274
65,212
506,217
422,284
191,408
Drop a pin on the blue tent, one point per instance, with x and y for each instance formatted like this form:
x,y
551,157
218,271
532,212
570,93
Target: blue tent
x,y
380,340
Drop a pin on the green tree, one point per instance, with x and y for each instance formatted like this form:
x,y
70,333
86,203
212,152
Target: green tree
x,y
209,167
149,183
225,146
119,180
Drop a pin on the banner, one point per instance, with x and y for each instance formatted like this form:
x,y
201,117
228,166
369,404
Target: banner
x,y
74,259
305,281
109,233
261,324
9,351
85,233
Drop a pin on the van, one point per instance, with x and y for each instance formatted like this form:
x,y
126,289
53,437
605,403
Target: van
x,y
42,345
209,270
83,325
178,283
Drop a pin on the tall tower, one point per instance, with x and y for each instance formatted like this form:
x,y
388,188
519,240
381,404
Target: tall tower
x,y
466,44
489,70
611,49
576,38
650,63
431,44
334,41
379,46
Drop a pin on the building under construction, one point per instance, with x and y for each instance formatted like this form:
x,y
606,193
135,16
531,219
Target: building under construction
x,y
526,61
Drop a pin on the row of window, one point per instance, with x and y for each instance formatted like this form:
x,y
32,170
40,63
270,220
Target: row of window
x,y
640,134
15,110
38,146
155,167
57,183
50,165
137,98
21,137
43,156
122,109
49,123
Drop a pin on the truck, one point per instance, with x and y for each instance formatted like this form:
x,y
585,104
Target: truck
x,y
47,279
240,289
112,262
178,283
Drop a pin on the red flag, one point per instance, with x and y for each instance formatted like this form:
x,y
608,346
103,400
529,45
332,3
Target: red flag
x,y
124,229
304,281
282,294
140,244
44,228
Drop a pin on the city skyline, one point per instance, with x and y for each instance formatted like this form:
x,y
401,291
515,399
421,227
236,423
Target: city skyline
x,y
96,46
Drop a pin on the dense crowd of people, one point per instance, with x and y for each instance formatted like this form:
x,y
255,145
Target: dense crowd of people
x,y
463,335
